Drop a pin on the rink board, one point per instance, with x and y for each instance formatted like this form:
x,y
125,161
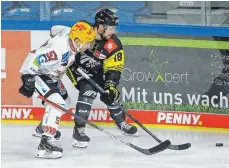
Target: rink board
x,y
159,69
25,114
17,108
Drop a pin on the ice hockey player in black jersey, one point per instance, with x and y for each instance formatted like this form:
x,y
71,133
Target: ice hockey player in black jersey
x,y
104,64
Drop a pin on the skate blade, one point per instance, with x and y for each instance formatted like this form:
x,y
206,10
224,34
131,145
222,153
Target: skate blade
x,y
136,134
36,135
48,155
79,144
39,136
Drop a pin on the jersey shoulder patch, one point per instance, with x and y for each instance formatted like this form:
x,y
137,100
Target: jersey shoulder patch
x,y
110,45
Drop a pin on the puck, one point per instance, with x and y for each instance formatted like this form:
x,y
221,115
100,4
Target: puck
x,y
219,144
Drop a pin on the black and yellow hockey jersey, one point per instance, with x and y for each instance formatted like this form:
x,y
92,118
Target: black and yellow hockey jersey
x,y
104,61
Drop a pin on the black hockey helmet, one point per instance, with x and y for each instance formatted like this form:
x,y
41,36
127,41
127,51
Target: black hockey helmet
x,y
106,17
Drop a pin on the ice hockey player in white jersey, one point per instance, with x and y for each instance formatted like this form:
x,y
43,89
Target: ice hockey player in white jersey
x,y
42,69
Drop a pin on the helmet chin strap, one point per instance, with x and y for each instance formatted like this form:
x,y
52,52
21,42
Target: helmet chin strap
x,y
77,48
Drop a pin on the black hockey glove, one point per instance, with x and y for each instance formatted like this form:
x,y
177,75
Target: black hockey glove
x,y
28,86
111,95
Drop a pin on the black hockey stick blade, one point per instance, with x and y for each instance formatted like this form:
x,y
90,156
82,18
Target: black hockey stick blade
x,y
180,147
156,149
171,147
162,146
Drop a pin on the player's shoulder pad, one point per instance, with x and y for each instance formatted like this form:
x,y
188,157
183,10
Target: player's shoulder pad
x,y
59,46
59,30
113,44
60,42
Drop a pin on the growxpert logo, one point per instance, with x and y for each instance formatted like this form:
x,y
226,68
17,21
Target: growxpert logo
x,y
158,67
179,118
159,73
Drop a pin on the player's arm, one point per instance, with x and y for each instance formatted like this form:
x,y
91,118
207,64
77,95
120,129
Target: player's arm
x,y
113,67
37,59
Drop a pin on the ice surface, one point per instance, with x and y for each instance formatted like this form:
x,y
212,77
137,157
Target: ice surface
x,y
19,148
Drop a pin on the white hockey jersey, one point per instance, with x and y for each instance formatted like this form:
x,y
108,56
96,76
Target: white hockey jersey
x,y
53,57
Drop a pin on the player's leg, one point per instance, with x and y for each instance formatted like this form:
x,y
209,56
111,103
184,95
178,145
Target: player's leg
x,y
39,131
118,115
48,88
116,112
87,94
63,92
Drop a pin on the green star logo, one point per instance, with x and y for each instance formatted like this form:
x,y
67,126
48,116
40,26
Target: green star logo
x,y
158,67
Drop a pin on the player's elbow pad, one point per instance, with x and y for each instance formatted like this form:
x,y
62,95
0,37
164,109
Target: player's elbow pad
x,y
113,76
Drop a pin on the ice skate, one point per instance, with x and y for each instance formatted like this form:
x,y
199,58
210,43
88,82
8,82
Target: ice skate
x,y
80,139
127,129
47,150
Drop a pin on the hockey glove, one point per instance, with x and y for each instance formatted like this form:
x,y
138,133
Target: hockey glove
x,y
28,86
111,95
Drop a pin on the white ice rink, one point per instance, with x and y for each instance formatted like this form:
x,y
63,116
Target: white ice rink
x,y
19,148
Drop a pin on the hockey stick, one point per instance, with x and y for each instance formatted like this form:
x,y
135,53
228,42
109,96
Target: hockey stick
x,y
101,90
162,146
